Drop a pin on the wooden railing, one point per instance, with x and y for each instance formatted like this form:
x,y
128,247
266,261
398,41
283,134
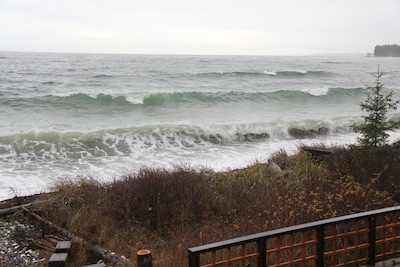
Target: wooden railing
x,y
362,238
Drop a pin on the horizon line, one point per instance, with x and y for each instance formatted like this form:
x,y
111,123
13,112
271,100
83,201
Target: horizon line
x,y
187,54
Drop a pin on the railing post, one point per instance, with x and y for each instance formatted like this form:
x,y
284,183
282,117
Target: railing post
x,y
262,247
372,239
194,259
320,245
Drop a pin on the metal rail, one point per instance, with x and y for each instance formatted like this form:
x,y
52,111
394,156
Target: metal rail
x,y
361,238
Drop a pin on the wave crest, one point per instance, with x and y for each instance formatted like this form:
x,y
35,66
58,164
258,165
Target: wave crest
x,y
333,94
50,146
75,100
82,100
265,73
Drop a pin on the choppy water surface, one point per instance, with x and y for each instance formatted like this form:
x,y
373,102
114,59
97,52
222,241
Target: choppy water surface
x,y
64,115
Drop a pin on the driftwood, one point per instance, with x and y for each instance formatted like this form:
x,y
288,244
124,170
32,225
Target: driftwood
x,y
9,210
318,153
44,244
97,250
144,258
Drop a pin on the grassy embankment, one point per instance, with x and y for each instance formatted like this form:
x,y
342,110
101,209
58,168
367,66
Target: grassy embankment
x,y
169,211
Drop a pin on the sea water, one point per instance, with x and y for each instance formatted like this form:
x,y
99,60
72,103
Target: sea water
x,y
106,115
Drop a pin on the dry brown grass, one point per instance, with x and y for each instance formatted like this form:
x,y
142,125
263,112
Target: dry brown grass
x,y
168,211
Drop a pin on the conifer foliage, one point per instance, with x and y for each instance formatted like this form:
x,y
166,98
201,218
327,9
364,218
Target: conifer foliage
x,y
376,123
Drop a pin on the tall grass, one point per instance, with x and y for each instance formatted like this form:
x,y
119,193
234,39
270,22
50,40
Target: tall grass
x,y
168,211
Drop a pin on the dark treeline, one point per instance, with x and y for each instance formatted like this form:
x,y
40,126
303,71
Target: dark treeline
x,y
387,50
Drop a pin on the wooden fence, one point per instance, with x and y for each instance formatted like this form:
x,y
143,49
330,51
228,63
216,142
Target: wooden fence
x,y
362,238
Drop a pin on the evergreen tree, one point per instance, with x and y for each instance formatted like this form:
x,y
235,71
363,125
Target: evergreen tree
x,y
376,124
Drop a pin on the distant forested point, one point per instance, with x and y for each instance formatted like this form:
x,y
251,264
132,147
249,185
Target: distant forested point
x,y
387,50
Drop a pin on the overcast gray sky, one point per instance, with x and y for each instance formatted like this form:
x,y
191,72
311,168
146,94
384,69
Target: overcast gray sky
x,y
246,27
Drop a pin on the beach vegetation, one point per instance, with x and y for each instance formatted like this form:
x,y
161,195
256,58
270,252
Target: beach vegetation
x,y
170,210
374,129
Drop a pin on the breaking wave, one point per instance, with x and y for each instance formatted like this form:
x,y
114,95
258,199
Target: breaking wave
x,y
265,73
333,94
50,146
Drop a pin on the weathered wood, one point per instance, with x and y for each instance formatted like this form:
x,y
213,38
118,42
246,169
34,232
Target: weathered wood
x,y
63,247
105,254
274,166
96,265
317,150
58,259
318,153
9,210
44,244
144,258
5,204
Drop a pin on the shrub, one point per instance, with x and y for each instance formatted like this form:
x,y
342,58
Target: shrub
x,y
168,211
379,165
159,199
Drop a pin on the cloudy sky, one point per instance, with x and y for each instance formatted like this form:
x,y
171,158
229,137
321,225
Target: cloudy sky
x,y
234,27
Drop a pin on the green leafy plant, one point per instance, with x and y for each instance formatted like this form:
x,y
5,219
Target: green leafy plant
x,y
376,123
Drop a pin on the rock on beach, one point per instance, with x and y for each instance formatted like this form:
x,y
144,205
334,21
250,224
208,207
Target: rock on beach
x,y
16,246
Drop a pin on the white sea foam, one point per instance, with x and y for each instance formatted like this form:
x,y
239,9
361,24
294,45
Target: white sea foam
x,y
317,91
273,73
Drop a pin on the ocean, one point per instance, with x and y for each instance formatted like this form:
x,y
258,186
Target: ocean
x,y
106,115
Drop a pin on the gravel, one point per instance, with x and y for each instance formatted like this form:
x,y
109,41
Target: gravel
x,y
16,242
